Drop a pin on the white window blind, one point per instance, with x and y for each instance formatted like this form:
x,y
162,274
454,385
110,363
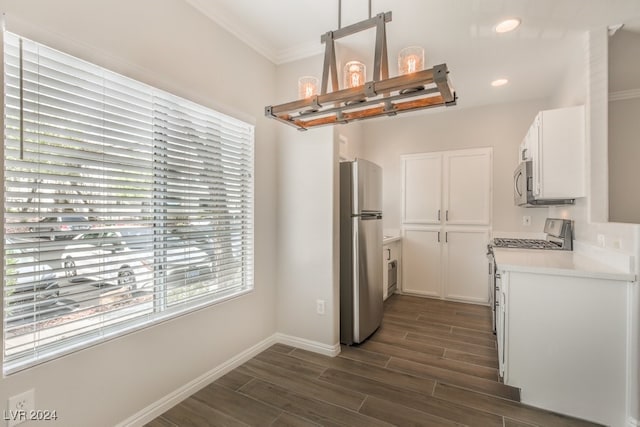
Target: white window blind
x,y
123,204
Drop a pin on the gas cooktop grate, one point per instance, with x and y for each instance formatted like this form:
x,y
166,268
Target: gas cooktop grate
x,y
499,242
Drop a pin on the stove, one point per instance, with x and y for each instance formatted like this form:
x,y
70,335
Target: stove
x,y
525,244
559,237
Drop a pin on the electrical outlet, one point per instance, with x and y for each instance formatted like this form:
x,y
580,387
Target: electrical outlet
x,y
601,241
526,220
320,306
20,407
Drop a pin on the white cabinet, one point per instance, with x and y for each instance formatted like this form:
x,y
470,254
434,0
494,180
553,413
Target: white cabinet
x,y
446,223
555,143
467,196
422,175
391,252
422,261
451,187
563,341
529,145
501,313
465,264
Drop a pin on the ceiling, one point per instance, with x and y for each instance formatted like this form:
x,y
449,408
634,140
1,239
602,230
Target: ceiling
x,y
459,33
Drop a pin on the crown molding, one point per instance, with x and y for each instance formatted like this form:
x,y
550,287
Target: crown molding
x,y
622,95
232,26
300,51
235,28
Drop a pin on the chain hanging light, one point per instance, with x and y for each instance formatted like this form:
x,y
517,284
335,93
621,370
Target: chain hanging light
x,y
414,89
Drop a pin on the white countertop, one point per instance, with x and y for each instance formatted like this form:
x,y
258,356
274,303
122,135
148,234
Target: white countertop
x,y
390,239
561,263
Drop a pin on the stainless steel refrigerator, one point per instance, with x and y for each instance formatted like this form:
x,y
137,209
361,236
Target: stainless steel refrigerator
x,y
360,250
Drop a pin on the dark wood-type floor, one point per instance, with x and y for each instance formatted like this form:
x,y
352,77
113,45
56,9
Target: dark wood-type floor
x,y
432,363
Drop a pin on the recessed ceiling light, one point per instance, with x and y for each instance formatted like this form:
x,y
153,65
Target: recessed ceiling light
x,y
507,25
499,82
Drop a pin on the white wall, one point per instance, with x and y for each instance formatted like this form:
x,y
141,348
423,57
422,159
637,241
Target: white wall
x,y
624,127
500,126
169,45
591,214
351,135
624,158
308,245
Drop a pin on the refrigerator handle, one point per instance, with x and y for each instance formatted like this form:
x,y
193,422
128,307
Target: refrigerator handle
x,y
369,215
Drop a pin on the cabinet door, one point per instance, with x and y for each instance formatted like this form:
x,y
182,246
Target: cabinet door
x,y
501,310
561,152
468,187
529,145
422,261
533,142
421,189
466,265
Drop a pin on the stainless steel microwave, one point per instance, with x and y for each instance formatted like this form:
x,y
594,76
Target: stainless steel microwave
x,y
523,189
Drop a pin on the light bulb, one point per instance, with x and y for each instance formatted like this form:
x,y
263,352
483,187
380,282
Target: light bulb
x,y
307,87
410,60
354,74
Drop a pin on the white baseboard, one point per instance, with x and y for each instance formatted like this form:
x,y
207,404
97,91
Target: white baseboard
x,y
160,406
304,344
632,422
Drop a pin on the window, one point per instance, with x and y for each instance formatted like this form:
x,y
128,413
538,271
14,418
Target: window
x,y
123,204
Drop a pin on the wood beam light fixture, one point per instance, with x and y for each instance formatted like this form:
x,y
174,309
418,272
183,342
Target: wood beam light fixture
x,y
414,89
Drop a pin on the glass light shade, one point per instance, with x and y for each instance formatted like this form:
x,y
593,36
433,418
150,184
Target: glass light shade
x,y
410,60
354,74
307,87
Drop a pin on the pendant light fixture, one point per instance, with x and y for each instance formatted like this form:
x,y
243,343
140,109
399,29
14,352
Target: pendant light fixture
x,y
415,88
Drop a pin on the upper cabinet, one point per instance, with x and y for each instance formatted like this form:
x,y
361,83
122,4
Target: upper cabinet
x,y
555,143
422,188
467,197
452,187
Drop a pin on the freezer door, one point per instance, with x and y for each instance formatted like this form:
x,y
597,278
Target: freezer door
x,y
367,283
367,182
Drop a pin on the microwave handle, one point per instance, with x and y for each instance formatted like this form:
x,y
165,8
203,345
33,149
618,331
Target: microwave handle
x,y
515,184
